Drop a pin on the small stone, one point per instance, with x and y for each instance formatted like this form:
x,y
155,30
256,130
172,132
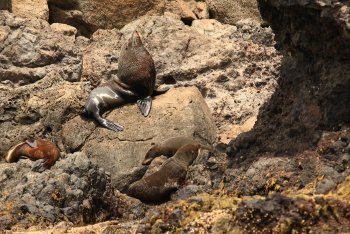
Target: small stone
x,y
325,186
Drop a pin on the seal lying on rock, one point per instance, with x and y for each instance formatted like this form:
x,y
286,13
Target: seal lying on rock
x,y
136,83
169,147
171,176
44,152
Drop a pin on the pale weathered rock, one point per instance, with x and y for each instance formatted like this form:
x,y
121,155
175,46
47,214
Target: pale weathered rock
x,y
68,31
179,112
88,15
31,9
237,129
230,12
39,110
30,49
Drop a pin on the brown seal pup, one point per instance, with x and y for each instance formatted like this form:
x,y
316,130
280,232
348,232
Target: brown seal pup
x,y
136,83
169,147
157,186
44,152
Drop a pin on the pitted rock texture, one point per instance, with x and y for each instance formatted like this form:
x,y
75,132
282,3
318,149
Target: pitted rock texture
x,y
74,189
234,67
88,16
230,12
30,49
178,112
39,110
312,96
30,9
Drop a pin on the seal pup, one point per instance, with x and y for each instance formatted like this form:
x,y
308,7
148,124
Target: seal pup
x,y
169,147
171,175
44,153
136,69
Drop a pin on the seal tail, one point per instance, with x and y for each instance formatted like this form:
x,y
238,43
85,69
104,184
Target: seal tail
x,y
145,105
109,124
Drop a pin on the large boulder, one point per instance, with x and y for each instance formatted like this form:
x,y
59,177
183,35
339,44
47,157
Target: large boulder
x,y
179,112
235,68
30,49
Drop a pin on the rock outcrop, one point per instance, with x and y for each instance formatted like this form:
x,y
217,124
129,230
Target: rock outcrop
x,y
30,49
179,112
234,67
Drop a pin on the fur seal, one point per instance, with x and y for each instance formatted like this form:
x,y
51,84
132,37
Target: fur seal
x,y
157,186
44,153
135,83
169,147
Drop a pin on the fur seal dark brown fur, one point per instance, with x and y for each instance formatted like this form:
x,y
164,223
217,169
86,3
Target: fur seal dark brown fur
x,y
135,83
169,147
157,186
44,153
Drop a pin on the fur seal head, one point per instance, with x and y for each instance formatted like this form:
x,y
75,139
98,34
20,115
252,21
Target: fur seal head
x,y
169,147
44,153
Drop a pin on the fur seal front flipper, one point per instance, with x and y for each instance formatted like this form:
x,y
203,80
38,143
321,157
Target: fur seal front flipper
x,y
32,143
104,98
38,165
145,105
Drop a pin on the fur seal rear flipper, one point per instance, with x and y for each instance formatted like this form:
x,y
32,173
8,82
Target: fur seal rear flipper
x,y
44,153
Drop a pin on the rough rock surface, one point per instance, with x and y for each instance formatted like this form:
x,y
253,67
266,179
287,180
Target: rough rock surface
x,y
179,112
88,15
39,110
230,12
234,67
275,213
68,31
30,9
30,49
74,189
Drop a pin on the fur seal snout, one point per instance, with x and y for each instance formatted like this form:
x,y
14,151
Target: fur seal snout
x,y
171,176
169,147
44,152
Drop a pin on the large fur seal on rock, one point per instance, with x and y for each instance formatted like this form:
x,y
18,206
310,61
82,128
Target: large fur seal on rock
x,y
136,82
44,152
157,186
169,147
